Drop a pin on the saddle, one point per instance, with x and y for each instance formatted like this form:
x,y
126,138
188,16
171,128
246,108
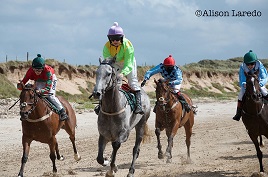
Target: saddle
x,y
51,105
129,94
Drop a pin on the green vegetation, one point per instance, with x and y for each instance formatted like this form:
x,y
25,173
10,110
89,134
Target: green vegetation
x,y
7,89
203,68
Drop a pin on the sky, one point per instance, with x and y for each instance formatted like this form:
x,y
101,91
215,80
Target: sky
x,y
75,31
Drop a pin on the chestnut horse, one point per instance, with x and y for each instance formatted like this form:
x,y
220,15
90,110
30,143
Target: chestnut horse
x,y
41,124
255,113
170,116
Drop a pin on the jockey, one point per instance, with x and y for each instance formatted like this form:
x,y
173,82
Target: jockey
x,y
171,72
250,64
46,82
125,63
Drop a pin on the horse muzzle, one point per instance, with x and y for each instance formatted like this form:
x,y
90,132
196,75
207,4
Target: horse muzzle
x,y
96,95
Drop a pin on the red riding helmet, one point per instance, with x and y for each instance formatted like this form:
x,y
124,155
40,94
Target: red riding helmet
x,y
169,61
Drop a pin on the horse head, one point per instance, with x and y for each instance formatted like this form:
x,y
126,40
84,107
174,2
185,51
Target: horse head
x,y
164,94
28,100
105,77
253,90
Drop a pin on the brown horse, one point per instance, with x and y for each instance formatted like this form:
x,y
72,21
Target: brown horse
x,y
170,116
41,124
255,113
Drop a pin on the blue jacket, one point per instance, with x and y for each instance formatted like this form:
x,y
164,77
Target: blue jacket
x,y
262,73
175,77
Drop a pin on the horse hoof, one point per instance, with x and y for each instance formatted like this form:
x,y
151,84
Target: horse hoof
x,y
169,161
106,163
130,175
109,174
61,158
77,157
160,155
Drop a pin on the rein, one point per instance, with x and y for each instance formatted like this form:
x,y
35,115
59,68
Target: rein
x,y
34,105
24,104
252,96
162,99
112,84
111,79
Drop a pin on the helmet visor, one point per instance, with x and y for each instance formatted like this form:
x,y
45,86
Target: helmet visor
x,y
115,37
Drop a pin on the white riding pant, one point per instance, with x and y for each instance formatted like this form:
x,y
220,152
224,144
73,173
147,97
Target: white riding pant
x,y
52,96
176,88
264,92
132,76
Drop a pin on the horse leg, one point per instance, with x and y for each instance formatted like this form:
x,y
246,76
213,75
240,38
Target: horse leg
x,y
26,149
169,148
59,157
257,147
70,129
116,145
136,150
188,132
171,132
102,144
77,157
52,147
159,146
261,142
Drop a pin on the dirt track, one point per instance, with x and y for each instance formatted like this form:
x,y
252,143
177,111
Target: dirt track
x,y
220,147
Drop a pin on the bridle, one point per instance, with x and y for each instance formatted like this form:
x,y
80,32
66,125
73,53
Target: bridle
x,y
164,100
112,82
33,104
253,94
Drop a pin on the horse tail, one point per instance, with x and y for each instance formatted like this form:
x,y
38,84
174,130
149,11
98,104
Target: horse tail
x,y
146,136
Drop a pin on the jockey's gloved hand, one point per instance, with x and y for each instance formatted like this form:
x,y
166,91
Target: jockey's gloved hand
x,y
143,83
38,91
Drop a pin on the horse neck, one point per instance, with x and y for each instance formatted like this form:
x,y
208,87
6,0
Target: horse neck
x,y
251,106
112,100
40,110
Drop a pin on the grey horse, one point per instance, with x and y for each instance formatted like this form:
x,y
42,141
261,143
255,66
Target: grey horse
x,y
116,119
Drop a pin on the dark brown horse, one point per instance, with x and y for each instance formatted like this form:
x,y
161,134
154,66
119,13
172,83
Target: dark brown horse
x,y
255,113
170,116
41,124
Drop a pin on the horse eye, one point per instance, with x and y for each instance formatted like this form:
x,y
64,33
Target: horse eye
x,y
109,74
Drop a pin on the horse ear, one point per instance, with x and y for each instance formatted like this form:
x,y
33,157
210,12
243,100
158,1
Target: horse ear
x,y
100,60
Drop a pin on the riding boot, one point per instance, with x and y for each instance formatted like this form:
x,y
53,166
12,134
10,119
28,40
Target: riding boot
x,y
97,109
184,102
63,115
238,111
138,109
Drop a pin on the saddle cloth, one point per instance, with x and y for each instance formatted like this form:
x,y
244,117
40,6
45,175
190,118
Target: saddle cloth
x,y
129,94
